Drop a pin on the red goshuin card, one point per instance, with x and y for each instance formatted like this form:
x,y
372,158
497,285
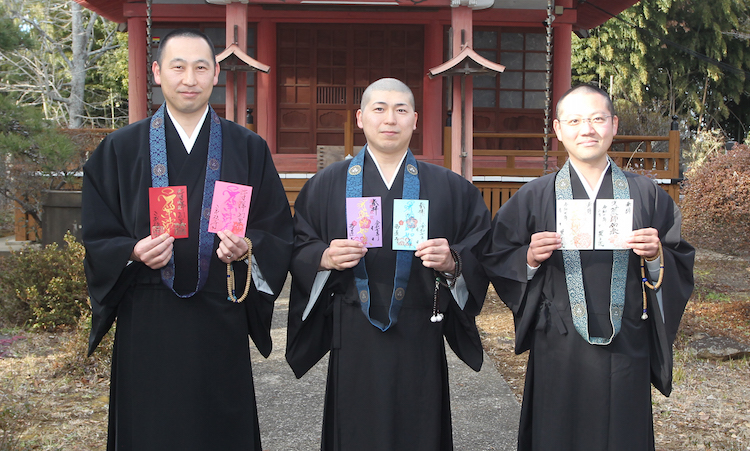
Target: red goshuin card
x,y
168,211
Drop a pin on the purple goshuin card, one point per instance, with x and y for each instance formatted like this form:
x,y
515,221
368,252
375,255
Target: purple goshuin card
x,y
364,220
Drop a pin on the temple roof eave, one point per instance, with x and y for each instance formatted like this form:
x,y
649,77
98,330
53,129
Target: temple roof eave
x,y
472,62
590,14
252,63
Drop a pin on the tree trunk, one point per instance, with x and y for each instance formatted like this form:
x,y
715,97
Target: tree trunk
x,y
78,66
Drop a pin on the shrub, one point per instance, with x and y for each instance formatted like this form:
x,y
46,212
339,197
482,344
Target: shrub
x,y
45,288
716,203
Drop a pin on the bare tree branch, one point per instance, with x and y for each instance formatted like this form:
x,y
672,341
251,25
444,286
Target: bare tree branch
x,y
54,74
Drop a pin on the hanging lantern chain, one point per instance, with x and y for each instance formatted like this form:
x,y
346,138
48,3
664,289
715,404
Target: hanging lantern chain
x,y
150,75
548,81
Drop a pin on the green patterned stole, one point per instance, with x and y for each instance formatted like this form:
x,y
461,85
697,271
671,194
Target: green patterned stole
x,y
574,272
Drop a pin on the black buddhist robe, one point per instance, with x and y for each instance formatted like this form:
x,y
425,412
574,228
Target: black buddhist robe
x,y
385,390
580,396
181,370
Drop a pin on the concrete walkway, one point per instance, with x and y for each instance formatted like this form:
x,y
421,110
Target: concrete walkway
x,y
485,412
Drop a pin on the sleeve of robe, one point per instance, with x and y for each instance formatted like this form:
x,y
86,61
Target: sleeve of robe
x,y
309,340
505,251
109,243
472,224
677,285
269,224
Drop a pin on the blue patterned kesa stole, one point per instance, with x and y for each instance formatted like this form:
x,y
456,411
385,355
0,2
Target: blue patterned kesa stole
x,y
160,178
403,258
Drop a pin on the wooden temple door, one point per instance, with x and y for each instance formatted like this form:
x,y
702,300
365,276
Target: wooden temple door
x,y
323,69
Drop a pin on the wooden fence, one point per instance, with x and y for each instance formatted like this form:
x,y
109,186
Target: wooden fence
x,y
499,173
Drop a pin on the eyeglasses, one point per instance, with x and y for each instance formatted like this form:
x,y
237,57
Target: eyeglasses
x,y
578,121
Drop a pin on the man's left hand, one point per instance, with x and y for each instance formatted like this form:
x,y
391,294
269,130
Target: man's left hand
x,y
644,242
231,247
436,254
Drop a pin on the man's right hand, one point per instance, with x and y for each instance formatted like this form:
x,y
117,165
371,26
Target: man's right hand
x,y
342,254
153,252
541,247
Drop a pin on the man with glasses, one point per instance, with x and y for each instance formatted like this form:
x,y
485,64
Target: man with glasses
x,y
598,317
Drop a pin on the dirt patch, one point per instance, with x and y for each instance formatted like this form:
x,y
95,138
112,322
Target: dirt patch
x,y
709,408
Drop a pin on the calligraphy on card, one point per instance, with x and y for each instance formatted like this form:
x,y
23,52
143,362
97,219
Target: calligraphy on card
x,y
575,223
410,223
230,208
614,223
168,211
364,220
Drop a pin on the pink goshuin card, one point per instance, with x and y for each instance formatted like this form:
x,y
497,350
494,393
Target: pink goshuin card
x,y
230,208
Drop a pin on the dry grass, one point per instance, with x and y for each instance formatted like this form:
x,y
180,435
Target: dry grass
x,y
709,408
45,402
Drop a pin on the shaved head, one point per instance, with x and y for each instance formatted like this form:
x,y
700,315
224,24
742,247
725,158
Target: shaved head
x,y
387,84
585,89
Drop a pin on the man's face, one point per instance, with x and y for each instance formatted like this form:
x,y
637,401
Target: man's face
x,y
187,74
586,142
388,121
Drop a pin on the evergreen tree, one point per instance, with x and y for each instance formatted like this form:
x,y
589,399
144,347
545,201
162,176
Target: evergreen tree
x,y
687,54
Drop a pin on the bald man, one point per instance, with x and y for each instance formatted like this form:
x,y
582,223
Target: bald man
x,y
383,312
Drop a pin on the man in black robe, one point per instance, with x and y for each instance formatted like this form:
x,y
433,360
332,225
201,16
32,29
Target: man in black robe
x,y
181,371
588,385
387,385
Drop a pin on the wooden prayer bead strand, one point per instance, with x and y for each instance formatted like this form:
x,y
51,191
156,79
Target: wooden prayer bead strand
x,y
230,274
645,283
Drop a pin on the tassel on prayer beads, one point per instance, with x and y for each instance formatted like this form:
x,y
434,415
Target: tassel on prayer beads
x,y
450,282
436,315
645,283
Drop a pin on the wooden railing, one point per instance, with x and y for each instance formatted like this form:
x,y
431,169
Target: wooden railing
x,y
496,171
634,153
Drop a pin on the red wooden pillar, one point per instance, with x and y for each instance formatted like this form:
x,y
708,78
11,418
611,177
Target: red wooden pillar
x,y
137,69
265,85
463,109
430,117
236,16
561,62
561,77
